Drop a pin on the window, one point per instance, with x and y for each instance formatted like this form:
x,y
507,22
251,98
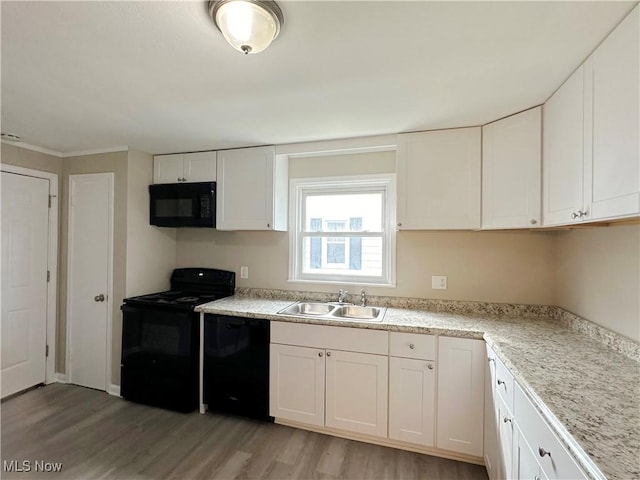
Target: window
x,y
343,230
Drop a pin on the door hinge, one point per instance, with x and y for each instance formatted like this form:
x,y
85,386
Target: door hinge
x,y
46,351
48,276
49,201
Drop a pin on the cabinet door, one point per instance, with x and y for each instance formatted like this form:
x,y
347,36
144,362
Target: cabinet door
x,y
511,171
490,420
525,466
460,395
200,167
563,152
439,179
357,392
505,438
412,400
296,384
167,168
613,167
245,198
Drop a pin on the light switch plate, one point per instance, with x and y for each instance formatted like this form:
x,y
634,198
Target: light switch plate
x,y
439,282
244,272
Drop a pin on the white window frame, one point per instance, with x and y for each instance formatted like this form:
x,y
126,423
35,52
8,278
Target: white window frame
x,y
300,187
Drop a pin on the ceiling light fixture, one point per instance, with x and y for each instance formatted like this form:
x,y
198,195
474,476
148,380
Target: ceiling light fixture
x,y
248,25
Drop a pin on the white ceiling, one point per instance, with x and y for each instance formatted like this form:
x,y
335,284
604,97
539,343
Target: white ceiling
x,y
159,77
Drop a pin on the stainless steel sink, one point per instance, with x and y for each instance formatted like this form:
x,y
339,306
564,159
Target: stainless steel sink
x,y
308,308
360,313
332,311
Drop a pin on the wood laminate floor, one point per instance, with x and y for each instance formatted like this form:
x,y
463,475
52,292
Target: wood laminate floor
x,y
95,435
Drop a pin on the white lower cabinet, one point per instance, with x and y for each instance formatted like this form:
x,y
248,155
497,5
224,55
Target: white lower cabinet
x,y
356,392
505,438
297,383
314,381
554,460
412,387
525,465
490,419
461,395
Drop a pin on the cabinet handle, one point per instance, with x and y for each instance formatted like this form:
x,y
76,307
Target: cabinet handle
x,y
320,354
501,382
583,213
430,366
491,360
542,452
536,477
507,420
412,346
574,215
533,221
328,354
268,225
399,224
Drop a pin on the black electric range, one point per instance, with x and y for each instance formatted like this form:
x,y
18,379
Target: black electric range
x,y
161,338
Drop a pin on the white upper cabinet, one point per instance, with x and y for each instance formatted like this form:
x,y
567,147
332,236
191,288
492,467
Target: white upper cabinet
x,y
591,132
439,180
252,190
613,167
185,167
563,152
511,169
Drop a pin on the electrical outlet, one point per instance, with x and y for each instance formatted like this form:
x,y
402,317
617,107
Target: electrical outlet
x,y
439,282
244,272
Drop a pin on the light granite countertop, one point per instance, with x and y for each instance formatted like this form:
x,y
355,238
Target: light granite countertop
x,y
588,393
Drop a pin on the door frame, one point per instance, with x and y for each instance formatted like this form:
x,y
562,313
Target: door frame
x,y
52,262
69,325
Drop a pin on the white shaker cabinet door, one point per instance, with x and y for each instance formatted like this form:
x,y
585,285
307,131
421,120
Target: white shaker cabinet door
x,y
412,399
563,153
252,189
612,170
296,384
357,392
461,379
168,168
200,167
439,180
511,171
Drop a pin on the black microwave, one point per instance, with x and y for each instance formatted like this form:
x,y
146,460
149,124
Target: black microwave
x,y
183,204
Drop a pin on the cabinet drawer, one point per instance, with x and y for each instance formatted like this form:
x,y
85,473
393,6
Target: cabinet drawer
x,y
558,463
412,345
504,384
329,337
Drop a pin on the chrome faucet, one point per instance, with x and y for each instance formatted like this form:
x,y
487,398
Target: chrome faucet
x,y
363,298
342,296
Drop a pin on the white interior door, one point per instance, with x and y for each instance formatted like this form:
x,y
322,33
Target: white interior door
x,y
25,237
89,279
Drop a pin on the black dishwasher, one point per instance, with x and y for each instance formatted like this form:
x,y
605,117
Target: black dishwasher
x,y
236,366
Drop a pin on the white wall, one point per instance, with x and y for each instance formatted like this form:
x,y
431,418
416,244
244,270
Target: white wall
x,y
151,251
598,276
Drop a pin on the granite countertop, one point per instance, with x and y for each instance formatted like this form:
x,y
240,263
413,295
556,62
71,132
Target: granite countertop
x,y
589,394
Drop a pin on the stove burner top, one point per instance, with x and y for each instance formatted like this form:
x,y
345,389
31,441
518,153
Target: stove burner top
x,y
187,299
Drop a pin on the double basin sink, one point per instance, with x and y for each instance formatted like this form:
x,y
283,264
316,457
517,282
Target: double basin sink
x,y
335,311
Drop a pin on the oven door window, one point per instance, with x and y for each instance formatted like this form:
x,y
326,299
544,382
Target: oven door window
x,y
152,331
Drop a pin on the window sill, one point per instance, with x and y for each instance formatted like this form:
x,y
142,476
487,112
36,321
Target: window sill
x,y
341,282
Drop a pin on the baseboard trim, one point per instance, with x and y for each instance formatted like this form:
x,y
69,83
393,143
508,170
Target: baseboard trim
x,y
60,378
114,390
385,442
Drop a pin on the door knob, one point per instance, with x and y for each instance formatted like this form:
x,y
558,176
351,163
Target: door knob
x,y
99,298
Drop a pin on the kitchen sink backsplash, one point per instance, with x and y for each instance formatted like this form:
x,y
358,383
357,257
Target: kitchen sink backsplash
x,y
608,338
